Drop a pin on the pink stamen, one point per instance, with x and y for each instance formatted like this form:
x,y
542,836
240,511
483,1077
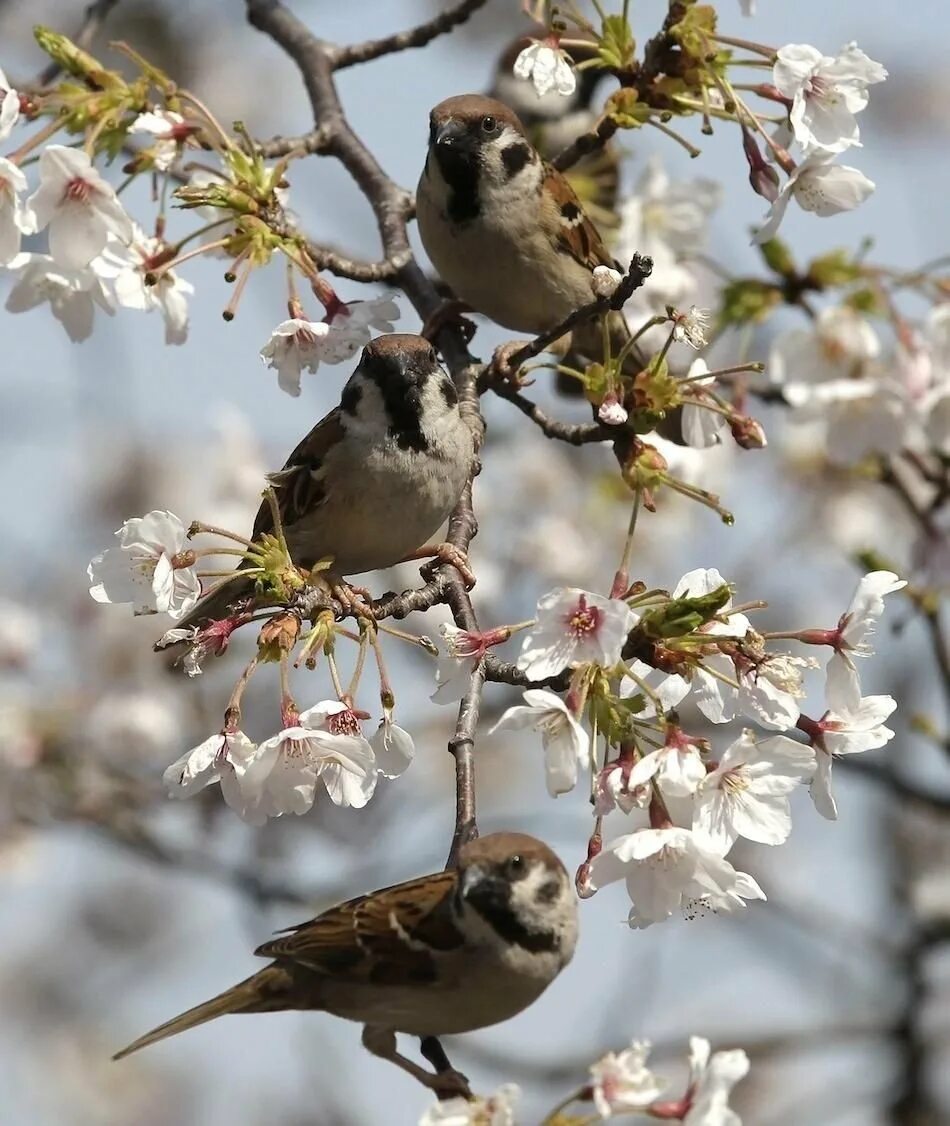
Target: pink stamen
x,y
584,620
78,190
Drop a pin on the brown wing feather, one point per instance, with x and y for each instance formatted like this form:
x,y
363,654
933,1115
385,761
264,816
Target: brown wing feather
x,y
298,485
574,233
366,938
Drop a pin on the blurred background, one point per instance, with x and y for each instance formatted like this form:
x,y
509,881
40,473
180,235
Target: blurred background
x,y
120,908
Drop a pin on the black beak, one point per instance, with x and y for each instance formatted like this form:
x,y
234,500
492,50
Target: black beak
x,y
449,134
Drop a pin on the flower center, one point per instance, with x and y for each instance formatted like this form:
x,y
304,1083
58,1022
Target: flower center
x,y
343,723
584,621
734,782
78,190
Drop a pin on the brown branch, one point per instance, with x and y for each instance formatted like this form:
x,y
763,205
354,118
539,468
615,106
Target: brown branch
x,y
587,143
391,206
324,258
576,434
403,40
637,273
307,143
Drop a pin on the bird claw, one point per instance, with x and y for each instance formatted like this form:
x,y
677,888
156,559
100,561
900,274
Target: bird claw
x,y
450,1084
449,313
454,557
500,369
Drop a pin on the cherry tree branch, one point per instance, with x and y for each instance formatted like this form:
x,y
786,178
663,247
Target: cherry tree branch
x,y
404,40
391,205
575,434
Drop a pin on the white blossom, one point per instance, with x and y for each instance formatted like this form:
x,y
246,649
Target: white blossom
x,y
574,627
73,295
820,186
677,767
826,93
701,427
294,345
393,748
80,208
351,324
566,744
144,568
669,689
605,281
747,794
165,127
611,411
126,268
666,219
690,328
496,1110
9,107
324,745
711,1082
669,869
855,625
621,1081
229,758
16,217
547,67
453,672
847,728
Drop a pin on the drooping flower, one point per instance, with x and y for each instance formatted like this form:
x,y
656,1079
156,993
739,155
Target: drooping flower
x,y
701,427
465,648
393,747
677,767
826,93
150,568
294,345
496,1110
566,744
747,794
855,625
690,327
73,295
820,186
547,67
622,1082
168,129
16,218
352,324
669,869
80,208
574,627
229,758
127,266
324,745
9,107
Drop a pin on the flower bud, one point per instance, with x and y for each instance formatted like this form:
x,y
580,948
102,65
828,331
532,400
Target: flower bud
x,y
748,432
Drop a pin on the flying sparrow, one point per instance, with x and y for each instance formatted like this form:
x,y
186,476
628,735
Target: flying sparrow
x,y
443,954
504,230
374,479
552,122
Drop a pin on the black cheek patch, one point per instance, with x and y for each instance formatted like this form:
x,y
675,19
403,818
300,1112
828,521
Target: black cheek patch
x,y
449,394
350,398
548,891
514,158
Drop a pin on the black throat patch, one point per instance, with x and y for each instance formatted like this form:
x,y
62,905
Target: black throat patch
x,y
403,405
460,171
491,899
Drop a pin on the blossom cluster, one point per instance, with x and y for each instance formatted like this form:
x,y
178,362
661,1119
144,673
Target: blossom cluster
x,y
685,804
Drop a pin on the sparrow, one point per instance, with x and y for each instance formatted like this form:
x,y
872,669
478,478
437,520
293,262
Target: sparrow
x,y
503,229
553,122
446,953
375,478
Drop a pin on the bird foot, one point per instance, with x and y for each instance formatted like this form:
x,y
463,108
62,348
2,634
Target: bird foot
x,y
445,553
355,600
450,1084
449,313
501,370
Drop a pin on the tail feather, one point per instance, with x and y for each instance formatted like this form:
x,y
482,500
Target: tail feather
x,y
214,607
264,991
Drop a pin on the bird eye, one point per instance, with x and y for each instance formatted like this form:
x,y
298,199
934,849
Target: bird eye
x,y
515,865
489,124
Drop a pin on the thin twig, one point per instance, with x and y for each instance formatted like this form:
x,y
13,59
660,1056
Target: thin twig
x,y
403,40
575,434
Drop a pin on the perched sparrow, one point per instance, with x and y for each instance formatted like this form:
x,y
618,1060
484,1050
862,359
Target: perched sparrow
x,y
374,479
553,122
443,954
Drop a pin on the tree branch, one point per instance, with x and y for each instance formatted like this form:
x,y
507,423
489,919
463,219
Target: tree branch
x,y
576,434
391,205
403,40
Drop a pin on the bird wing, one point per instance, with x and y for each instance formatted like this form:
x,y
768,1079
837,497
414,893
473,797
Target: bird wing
x,y
574,233
299,485
387,937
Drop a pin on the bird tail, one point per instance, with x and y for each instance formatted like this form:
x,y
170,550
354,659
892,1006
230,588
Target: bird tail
x,y
213,607
265,991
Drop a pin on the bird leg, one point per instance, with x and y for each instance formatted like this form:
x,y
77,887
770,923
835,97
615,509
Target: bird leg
x,y
443,553
446,1082
353,599
449,313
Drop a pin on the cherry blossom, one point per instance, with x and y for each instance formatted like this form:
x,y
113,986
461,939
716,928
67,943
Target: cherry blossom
x,y
669,689
677,767
168,129
150,568
80,208
229,758
621,1081
324,745
826,93
711,1082
126,267
855,625
9,107
566,744
611,411
670,869
690,328
574,627
73,295
847,728
605,281
747,794
496,1110
820,186
393,748
16,218
294,345
613,790
701,428
547,67
351,324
